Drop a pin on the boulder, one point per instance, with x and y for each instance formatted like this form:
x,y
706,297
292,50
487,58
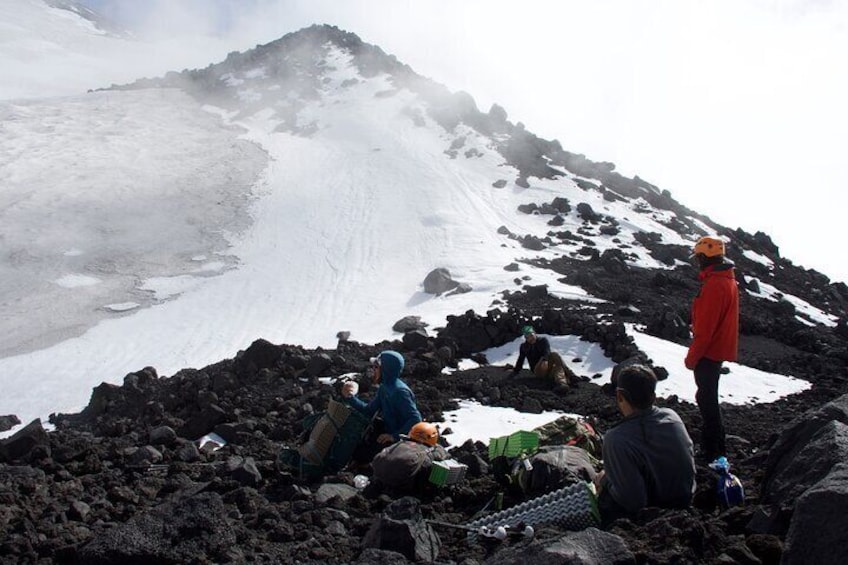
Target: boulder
x,y
402,528
244,471
188,453
768,548
793,440
408,324
536,292
318,364
818,532
79,511
532,243
102,397
203,422
613,261
261,354
586,547
327,492
147,455
561,205
668,325
439,281
825,449
586,212
163,435
416,339
8,422
23,441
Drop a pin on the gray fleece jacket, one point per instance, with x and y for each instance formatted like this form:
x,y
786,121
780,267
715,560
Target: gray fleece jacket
x,y
649,461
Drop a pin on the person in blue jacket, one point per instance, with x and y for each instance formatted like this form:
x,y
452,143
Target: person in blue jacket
x,y
394,401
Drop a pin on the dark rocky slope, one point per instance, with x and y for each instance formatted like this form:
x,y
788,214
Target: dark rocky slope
x,y
122,481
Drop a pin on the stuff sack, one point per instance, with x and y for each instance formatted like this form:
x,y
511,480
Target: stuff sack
x,y
729,489
406,464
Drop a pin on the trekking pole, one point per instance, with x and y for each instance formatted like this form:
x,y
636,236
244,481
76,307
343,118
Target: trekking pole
x,y
152,467
499,533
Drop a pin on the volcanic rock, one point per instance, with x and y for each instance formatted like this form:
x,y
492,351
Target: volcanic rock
x,y
439,281
402,528
586,547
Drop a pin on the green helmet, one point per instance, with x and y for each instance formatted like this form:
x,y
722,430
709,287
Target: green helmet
x,y
527,330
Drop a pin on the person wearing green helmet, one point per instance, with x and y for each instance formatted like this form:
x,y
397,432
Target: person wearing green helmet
x,y
542,361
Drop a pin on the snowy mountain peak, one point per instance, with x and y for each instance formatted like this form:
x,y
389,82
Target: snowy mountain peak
x,y
287,74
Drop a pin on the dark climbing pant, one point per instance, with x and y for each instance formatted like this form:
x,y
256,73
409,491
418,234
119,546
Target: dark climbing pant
x,y
707,374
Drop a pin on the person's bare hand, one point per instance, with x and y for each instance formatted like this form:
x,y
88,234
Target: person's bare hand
x,y
385,439
598,479
349,389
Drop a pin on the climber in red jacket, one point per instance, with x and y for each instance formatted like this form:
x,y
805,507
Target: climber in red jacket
x,y
715,337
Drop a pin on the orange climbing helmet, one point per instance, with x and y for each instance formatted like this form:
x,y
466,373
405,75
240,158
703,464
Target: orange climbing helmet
x,y
424,432
709,247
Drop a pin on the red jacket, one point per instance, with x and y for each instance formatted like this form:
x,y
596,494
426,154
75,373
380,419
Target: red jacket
x,y
715,317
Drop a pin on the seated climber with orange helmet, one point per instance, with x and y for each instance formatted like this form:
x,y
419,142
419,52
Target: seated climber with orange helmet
x,y
394,402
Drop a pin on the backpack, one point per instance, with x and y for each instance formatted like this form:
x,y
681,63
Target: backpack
x,y
554,467
329,440
406,464
572,431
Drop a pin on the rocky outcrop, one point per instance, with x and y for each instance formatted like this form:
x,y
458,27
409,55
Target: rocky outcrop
x,y
804,453
819,529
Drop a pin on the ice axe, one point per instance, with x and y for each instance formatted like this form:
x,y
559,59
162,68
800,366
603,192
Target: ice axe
x,y
499,533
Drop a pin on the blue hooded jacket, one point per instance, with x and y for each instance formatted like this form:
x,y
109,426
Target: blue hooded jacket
x,y
394,400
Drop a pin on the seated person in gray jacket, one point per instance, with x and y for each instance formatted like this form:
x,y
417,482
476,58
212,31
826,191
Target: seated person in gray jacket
x,y
648,456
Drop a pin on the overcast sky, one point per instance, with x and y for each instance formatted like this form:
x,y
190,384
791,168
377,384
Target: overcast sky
x,y
735,106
